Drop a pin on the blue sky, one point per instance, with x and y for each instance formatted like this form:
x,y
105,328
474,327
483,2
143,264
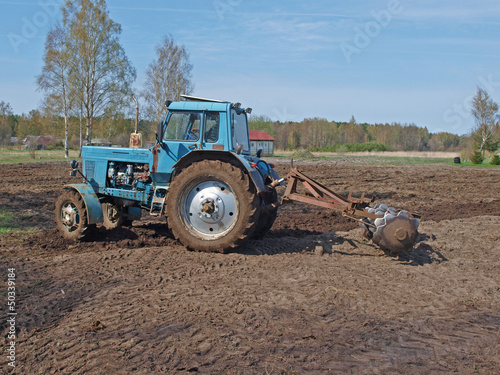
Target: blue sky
x,y
408,61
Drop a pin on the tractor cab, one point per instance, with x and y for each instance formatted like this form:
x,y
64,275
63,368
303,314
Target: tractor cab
x,y
206,124
198,129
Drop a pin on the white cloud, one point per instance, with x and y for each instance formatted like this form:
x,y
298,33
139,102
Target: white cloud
x,y
468,14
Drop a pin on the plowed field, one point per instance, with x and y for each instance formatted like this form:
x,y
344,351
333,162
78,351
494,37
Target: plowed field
x,y
134,301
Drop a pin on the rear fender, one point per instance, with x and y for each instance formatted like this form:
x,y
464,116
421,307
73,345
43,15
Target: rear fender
x,y
226,156
92,203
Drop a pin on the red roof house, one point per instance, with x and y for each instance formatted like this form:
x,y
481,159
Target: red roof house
x,y
259,139
260,135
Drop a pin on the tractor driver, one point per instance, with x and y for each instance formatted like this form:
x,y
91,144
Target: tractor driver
x,y
194,133
212,127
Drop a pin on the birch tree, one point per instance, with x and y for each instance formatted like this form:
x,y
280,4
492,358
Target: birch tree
x,y
54,79
484,111
100,70
167,77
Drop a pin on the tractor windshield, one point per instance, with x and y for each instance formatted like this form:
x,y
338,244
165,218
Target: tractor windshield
x,y
239,127
183,126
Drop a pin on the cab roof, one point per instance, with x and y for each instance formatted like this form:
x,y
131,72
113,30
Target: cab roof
x,y
199,106
194,103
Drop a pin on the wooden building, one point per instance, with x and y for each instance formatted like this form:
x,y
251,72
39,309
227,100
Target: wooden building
x,y
259,139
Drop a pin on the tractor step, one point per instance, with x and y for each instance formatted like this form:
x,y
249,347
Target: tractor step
x,y
158,202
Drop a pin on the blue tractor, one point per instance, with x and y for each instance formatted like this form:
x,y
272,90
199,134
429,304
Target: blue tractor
x,y
199,174
214,193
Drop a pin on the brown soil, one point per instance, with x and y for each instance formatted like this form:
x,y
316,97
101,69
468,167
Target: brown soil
x,y
133,301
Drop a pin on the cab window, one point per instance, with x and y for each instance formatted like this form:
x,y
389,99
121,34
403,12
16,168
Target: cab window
x,y
212,123
183,126
239,126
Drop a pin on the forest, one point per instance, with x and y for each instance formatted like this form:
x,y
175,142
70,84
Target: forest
x,y
114,128
319,134
314,134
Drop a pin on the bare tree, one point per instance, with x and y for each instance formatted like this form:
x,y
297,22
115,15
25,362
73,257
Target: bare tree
x,y
54,79
101,72
167,77
484,111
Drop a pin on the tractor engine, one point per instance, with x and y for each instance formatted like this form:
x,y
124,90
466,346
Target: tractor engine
x,y
129,176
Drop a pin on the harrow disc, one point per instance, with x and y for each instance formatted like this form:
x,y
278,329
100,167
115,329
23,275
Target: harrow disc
x,y
395,232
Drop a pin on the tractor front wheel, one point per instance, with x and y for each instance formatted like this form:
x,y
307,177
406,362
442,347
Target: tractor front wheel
x,y
71,216
212,206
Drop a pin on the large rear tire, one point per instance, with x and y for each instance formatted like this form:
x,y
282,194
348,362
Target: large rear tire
x,y
71,216
212,206
267,215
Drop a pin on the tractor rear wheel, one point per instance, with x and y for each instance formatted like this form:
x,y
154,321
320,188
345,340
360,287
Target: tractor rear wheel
x,y
212,206
71,215
267,216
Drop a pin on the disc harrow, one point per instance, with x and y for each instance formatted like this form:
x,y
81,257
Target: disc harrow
x,y
392,230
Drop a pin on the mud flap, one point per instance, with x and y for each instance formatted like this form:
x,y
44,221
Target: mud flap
x,y
92,203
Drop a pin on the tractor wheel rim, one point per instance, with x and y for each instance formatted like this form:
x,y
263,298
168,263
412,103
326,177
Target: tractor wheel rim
x,y
70,216
210,209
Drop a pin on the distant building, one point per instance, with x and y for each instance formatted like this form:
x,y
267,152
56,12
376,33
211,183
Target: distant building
x,y
46,140
30,142
38,142
101,142
259,139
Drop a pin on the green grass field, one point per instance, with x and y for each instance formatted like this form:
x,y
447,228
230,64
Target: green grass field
x,y
18,156
10,224
7,221
398,160
379,159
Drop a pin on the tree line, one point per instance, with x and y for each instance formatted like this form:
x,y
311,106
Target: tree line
x,y
315,134
115,128
319,134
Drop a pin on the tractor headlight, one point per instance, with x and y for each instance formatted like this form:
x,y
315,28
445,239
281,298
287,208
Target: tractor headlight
x,y
74,164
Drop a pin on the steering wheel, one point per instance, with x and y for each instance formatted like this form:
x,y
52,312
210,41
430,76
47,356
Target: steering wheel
x,y
191,135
